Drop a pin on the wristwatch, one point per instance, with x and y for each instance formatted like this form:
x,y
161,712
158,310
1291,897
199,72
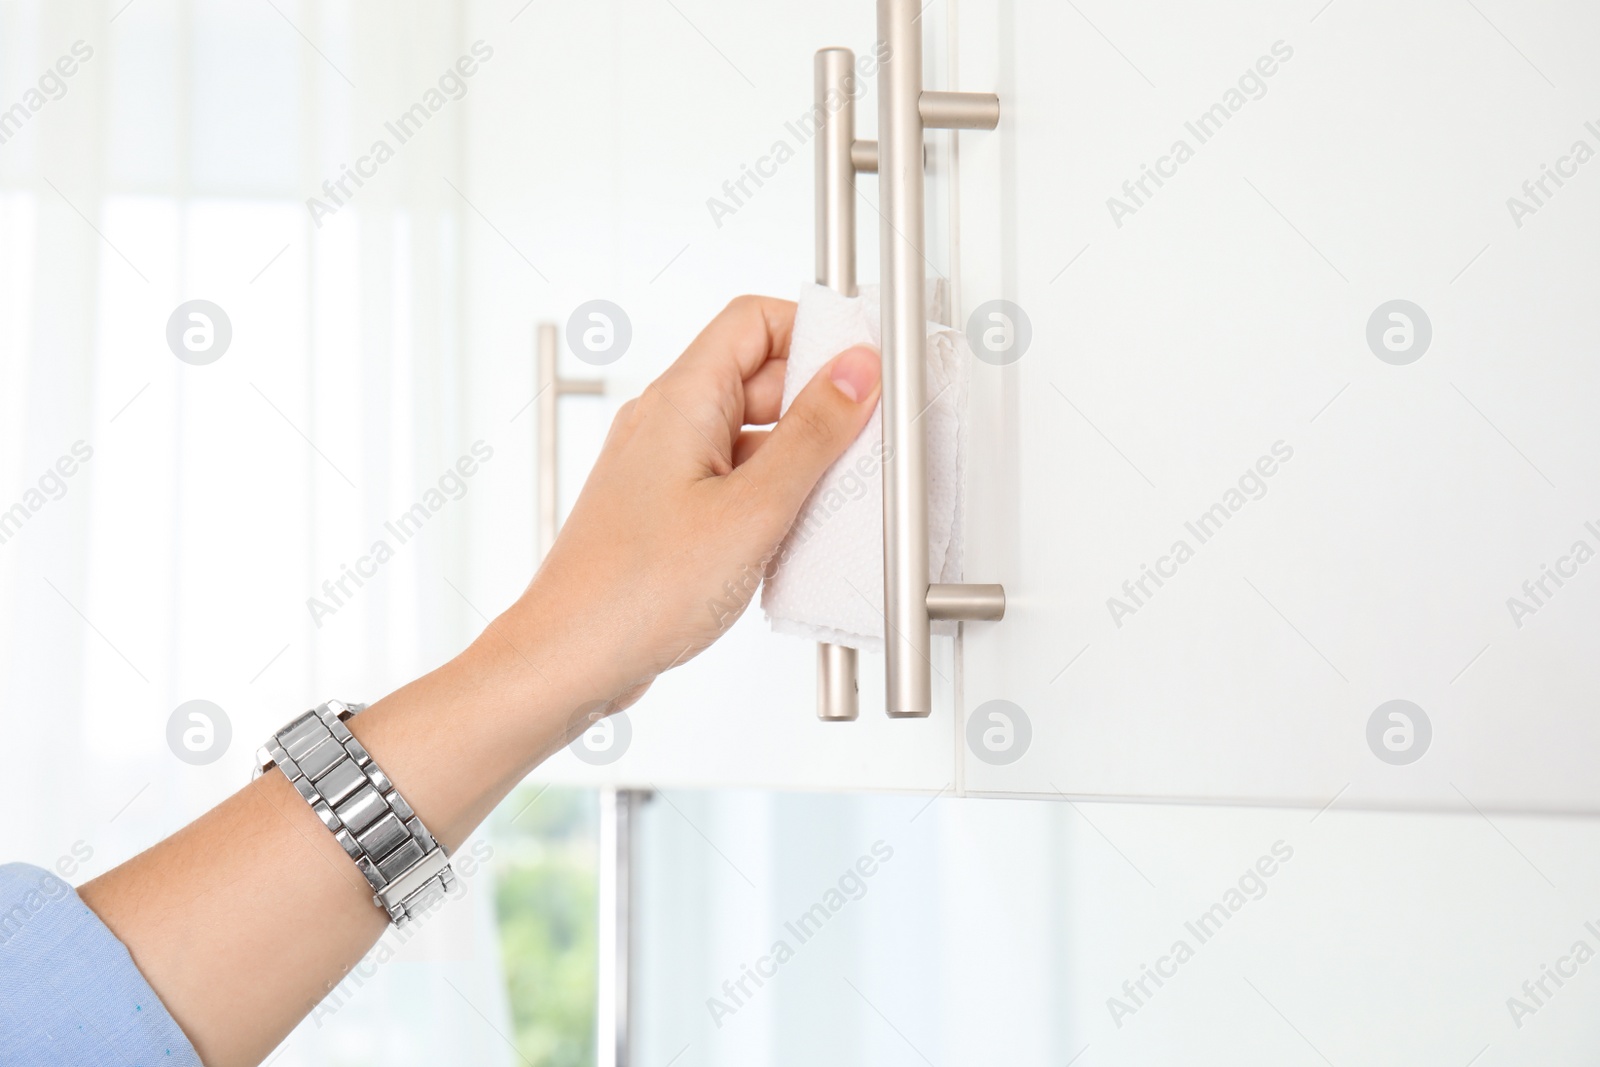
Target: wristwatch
x,y
408,870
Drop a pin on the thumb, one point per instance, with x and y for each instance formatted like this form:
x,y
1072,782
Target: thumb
x,y
824,419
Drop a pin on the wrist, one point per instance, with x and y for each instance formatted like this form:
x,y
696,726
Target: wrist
x,y
458,739
560,650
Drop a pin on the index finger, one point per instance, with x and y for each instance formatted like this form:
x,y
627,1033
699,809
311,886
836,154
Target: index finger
x,y
743,337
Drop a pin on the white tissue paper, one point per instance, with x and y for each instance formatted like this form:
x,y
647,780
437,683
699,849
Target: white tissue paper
x,y
828,581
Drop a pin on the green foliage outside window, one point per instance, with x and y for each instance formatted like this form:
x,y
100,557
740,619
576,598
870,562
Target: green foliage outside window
x,y
546,850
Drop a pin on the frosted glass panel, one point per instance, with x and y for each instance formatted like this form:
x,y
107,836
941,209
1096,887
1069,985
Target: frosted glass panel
x,y
787,929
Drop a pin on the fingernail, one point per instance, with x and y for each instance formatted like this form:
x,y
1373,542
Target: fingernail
x,y
855,372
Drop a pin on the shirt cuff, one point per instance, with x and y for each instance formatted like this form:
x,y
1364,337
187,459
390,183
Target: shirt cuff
x,y
69,991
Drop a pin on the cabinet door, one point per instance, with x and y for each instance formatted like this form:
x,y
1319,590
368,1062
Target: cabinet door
x,y
597,158
1293,489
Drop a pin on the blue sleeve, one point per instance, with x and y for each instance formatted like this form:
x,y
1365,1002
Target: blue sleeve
x,y
70,995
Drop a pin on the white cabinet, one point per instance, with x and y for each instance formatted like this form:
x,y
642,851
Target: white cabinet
x,y
1239,497
1234,519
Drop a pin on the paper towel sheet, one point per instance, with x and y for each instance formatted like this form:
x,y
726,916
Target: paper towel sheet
x,y
828,581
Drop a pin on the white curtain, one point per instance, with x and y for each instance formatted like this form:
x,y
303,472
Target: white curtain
x,y
207,504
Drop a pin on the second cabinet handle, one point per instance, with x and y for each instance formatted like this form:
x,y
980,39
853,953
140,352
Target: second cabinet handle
x,y
838,697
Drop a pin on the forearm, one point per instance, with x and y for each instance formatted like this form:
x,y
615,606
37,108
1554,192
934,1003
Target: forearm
x,y
243,920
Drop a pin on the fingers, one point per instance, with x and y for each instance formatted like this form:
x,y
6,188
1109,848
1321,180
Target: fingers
x,y
763,393
732,373
740,340
733,367
828,414
745,445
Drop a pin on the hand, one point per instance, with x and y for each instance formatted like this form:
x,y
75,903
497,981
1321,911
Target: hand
x,y
685,507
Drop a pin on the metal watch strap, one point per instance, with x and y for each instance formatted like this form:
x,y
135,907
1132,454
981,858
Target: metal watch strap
x,y
355,800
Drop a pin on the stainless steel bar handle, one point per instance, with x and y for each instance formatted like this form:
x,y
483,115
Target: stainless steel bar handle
x,y
905,465
904,111
834,85
551,388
